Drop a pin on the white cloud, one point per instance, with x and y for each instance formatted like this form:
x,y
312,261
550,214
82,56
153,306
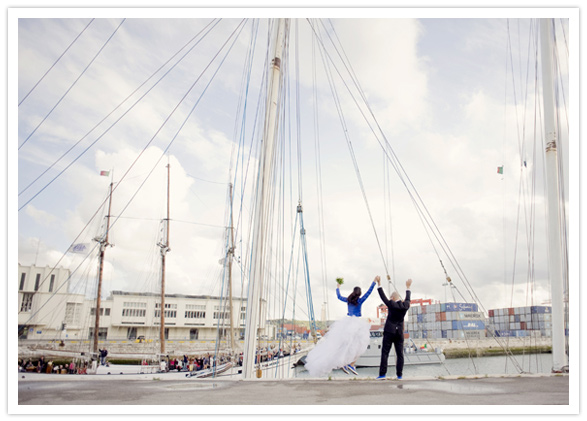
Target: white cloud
x,y
447,129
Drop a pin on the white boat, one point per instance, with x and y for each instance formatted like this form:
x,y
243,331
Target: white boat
x,y
412,354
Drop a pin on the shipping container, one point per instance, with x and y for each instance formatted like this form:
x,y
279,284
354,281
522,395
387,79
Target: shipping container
x,y
461,307
474,334
491,313
471,325
469,315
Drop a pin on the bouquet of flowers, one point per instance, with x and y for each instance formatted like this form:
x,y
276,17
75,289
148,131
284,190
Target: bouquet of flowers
x,y
339,281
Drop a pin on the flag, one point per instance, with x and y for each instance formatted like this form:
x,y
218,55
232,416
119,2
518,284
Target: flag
x,y
79,248
500,170
106,173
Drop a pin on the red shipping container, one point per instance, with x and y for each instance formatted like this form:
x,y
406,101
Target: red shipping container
x,y
511,311
406,336
490,313
443,317
523,325
437,316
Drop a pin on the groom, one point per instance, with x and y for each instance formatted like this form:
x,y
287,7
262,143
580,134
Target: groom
x,y
393,332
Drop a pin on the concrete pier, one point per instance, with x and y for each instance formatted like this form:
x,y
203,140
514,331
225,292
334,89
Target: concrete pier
x,y
44,389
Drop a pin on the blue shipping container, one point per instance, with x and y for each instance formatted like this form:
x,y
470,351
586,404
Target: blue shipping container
x,y
471,325
444,334
503,333
540,309
461,307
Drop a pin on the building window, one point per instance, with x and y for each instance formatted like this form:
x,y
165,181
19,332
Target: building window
x,y
172,314
37,281
193,334
133,312
72,314
128,304
51,283
107,312
167,305
23,331
166,333
102,333
93,311
22,278
131,333
219,315
195,314
27,302
195,307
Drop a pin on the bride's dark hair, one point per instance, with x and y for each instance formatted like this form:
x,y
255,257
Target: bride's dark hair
x,y
355,295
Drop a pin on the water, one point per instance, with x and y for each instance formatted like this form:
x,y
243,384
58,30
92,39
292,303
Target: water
x,y
530,363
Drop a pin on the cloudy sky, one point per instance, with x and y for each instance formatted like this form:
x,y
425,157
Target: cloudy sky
x,y
454,96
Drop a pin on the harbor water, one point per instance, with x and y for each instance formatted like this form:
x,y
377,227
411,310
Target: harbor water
x,y
491,365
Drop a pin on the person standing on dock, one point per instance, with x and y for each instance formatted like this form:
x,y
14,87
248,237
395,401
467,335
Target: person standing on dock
x,y
346,340
393,332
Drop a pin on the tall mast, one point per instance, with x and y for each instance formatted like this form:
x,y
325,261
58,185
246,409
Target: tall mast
x,y
164,249
559,357
266,164
103,244
230,256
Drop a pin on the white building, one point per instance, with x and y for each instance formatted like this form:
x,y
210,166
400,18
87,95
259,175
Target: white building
x,y
187,317
46,308
47,311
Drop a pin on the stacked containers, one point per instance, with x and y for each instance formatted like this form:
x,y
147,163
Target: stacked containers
x,y
535,321
445,320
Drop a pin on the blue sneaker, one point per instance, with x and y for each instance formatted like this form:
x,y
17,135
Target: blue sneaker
x,y
381,378
352,369
345,369
399,377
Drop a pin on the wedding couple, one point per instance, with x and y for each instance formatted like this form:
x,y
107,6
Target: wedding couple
x,y
348,338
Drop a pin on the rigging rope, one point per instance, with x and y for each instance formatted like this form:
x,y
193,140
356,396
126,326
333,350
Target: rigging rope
x,y
55,62
72,85
114,109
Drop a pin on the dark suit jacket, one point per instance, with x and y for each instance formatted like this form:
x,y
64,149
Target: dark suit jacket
x,y
396,312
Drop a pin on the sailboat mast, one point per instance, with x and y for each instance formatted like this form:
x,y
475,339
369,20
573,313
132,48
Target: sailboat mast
x,y
164,249
230,256
103,245
266,164
559,358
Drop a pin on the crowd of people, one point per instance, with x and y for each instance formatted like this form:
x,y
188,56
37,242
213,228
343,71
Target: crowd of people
x,y
41,366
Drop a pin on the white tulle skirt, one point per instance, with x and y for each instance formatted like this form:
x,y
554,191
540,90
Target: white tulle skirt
x,y
346,340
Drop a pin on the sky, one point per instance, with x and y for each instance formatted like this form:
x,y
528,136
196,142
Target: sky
x,y
454,97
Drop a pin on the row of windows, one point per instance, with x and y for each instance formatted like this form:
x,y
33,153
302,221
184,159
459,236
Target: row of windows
x,y
168,313
103,311
134,305
133,312
158,305
195,314
195,307
37,282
